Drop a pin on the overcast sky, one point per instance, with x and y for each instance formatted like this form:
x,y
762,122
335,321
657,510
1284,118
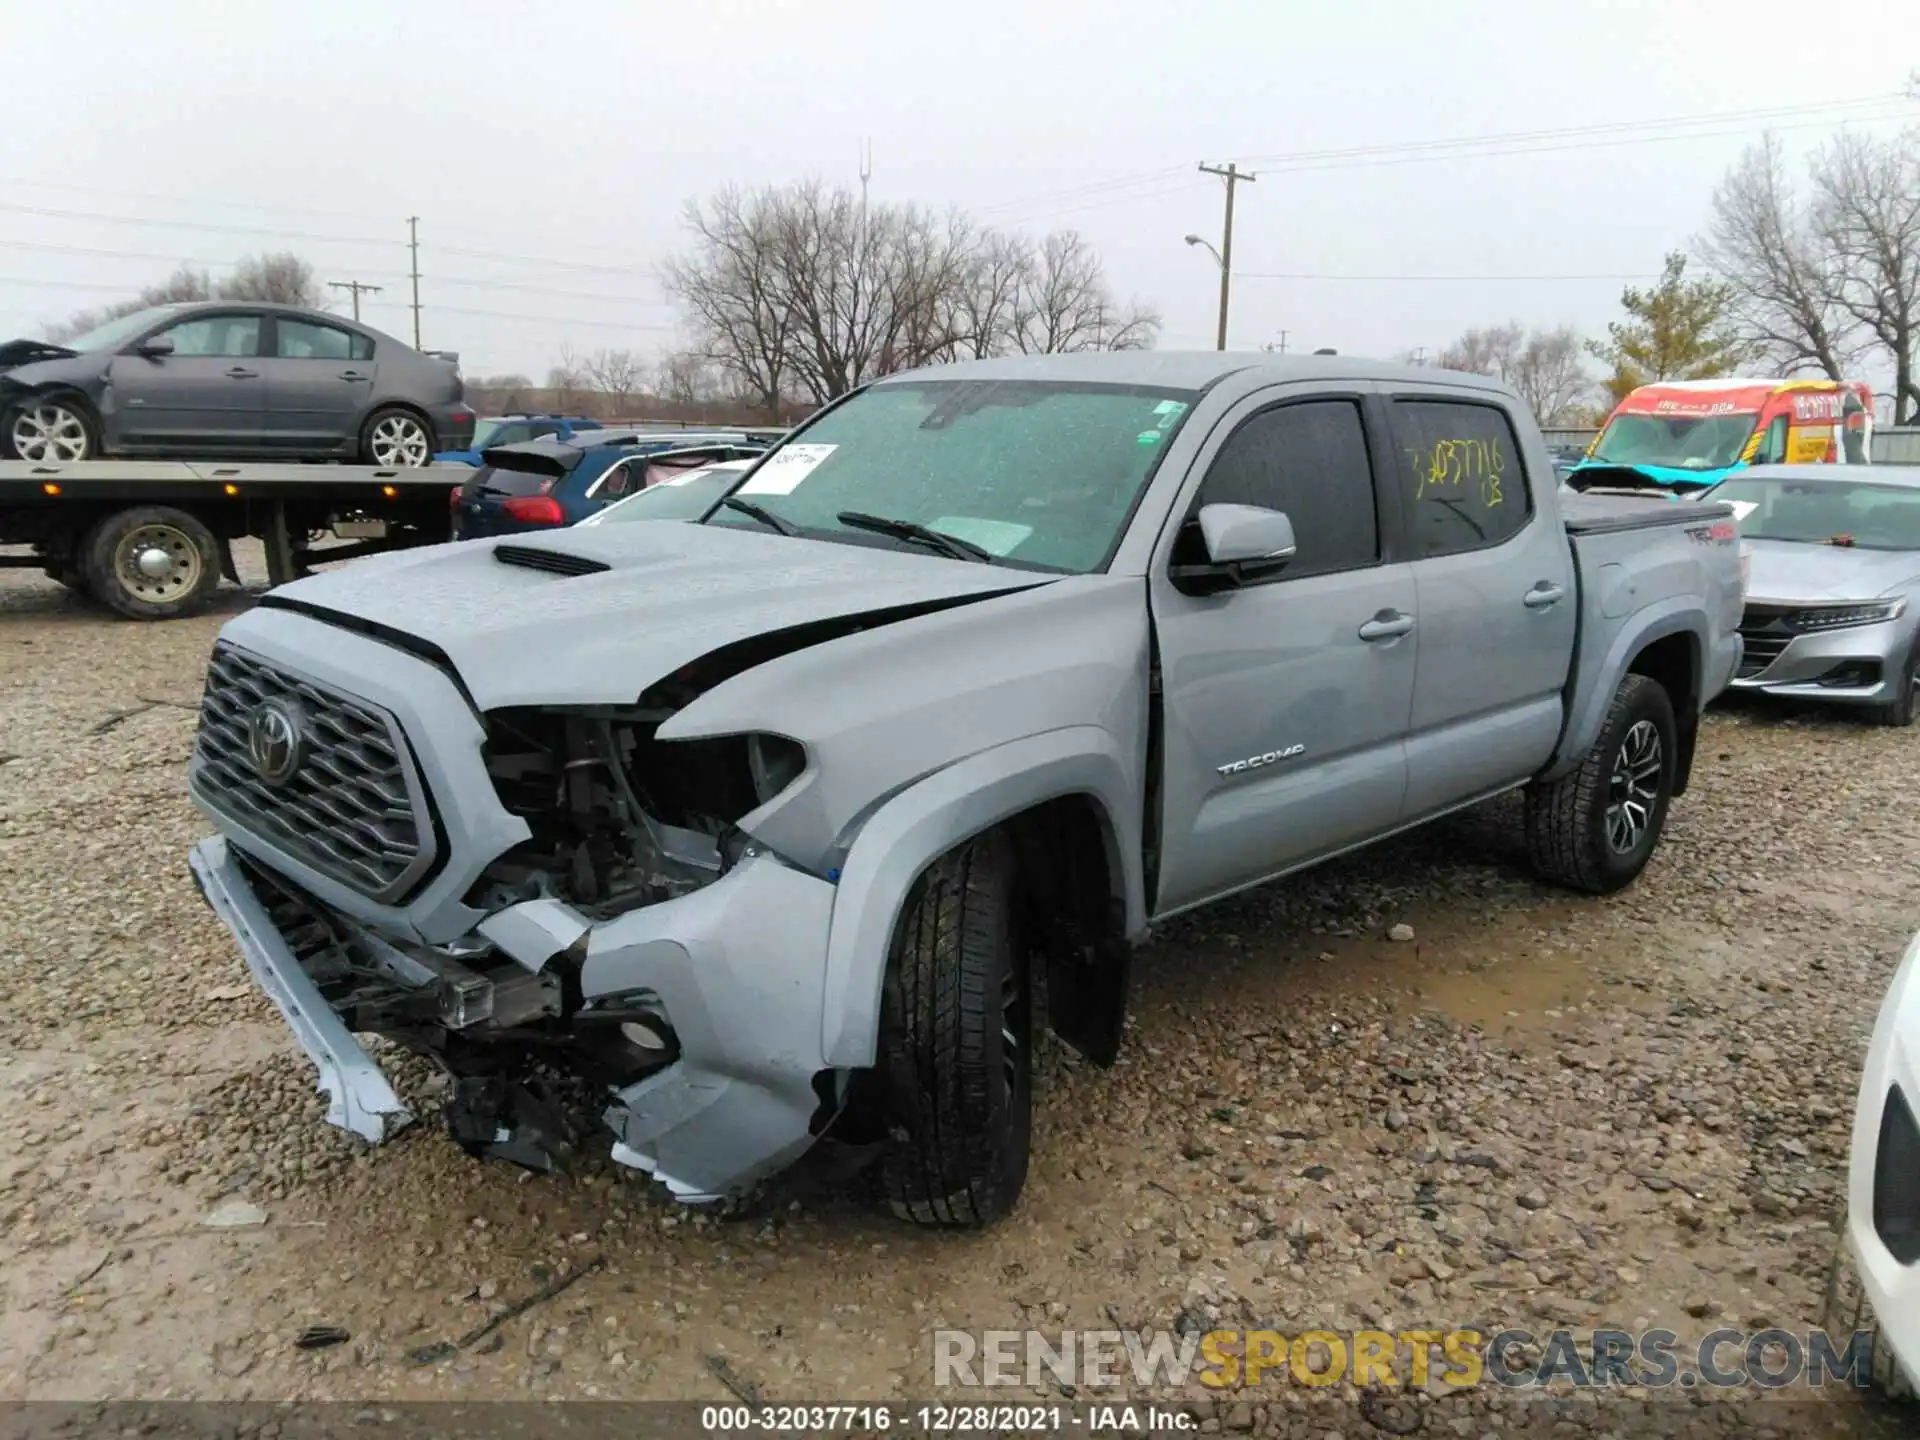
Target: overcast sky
x,y
548,149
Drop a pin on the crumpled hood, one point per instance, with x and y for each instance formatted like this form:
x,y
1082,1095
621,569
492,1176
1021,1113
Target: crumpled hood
x,y
1602,472
18,356
1787,571
670,594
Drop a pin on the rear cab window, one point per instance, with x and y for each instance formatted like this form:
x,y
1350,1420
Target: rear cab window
x,y
1462,479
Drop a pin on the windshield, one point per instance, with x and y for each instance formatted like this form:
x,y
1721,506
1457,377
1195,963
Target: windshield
x,y
680,497
115,333
1679,442
1038,473
484,431
1824,512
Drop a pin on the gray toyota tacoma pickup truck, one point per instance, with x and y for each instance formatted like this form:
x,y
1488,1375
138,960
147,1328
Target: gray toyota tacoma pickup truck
x,y
711,840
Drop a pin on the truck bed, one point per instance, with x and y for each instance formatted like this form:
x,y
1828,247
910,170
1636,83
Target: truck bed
x,y
1599,513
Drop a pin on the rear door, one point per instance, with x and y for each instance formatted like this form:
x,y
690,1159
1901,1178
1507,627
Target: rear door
x,y
1496,595
1284,702
208,394
319,382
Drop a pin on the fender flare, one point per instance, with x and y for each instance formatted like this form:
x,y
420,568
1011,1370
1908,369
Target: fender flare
x,y
915,827
1676,616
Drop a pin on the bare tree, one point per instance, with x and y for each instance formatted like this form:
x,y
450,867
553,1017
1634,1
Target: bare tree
x,y
282,279
732,291
184,284
617,374
1786,278
685,378
567,378
1544,366
1867,212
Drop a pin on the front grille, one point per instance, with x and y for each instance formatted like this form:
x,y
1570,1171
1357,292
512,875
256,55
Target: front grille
x,y
352,806
558,562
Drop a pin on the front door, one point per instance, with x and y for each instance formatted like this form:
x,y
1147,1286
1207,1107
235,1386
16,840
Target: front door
x,y
1284,702
208,394
1498,605
319,382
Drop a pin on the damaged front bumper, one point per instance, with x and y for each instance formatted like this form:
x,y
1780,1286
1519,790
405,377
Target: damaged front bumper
x,y
732,973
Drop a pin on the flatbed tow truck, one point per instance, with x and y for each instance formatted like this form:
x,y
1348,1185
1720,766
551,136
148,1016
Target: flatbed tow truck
x,y
151,538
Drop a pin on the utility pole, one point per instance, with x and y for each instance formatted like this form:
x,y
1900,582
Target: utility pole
x,y
413,248
356,287
1279,349
866,174
1417,355
1232,175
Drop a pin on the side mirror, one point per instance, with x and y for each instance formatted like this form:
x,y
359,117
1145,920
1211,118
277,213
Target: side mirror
x,y
154,347
1241,543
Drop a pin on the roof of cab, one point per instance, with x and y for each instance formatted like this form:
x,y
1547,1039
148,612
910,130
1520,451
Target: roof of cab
x,y
1187,369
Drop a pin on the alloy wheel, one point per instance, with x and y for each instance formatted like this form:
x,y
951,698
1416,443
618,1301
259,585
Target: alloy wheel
x,y
1633,789
49,432
399,441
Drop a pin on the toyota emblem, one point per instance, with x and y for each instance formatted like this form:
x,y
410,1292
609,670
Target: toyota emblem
x,y
274,741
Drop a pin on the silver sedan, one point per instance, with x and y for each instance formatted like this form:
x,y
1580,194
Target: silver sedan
x,y
1833,595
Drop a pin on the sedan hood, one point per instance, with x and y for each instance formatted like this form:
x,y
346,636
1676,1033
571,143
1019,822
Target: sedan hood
x,y
1788,572
595,616
14,353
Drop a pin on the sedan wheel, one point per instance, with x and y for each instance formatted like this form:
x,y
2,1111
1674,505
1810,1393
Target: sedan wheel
x,y
399,441
50,431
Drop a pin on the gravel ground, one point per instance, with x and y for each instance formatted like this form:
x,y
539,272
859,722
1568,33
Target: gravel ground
x,y
1539,1110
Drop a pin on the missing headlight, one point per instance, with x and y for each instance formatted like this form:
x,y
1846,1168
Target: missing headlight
x,y
775,762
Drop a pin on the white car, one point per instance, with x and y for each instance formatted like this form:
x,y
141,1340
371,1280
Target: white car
x,y
684,496
1875,1282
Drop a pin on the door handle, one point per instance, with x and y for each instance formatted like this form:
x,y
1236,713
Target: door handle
x,y
240,372
1387,625
1542,595
351,375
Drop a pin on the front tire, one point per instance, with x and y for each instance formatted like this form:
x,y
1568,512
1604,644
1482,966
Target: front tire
x,y
396,439
1847,1313
151,563
1898,712
55,429
1595,828
956,1033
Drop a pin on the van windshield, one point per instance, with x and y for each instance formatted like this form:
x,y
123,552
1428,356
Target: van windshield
x,y
1677,442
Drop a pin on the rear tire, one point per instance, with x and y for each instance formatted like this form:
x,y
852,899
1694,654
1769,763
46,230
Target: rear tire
x,y
151,563
396,438
956,1030
1898,712
1595,828
1848,1312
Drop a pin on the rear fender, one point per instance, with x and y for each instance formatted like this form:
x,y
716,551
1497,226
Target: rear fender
x,y
1679,615
906,834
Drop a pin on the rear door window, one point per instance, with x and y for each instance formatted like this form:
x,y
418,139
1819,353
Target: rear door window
x,y
503,480
1459,466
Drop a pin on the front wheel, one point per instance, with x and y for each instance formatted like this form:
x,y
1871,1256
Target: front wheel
x,y
396,439
1847,1313
1898,712
1595,828
151,563
55,430
956,1032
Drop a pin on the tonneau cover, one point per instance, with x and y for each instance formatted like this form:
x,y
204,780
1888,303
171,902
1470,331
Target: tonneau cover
x,y
1588,513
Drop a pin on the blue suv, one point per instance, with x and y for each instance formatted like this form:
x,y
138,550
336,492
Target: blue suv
x,y
541,484
512,429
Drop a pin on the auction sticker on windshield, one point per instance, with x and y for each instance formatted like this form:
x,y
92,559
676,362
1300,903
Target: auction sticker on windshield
x,y
781,472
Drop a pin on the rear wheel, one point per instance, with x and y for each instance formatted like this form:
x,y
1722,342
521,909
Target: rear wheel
x,y
151,563
1898,712
396,439
1595,828
55,429
956,1033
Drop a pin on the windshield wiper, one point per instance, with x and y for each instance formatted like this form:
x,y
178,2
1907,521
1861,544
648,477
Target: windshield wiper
x,y
761,513
914,531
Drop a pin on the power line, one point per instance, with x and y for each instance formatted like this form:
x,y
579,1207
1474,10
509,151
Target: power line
x,y
356,287
1478,279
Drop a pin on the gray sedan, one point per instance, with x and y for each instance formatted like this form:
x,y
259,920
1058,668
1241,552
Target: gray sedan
x,y
227,379
1833,597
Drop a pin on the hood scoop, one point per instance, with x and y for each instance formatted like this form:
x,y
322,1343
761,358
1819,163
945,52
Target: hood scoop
x,y
554,562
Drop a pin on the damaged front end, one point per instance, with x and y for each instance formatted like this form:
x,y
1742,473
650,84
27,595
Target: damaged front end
x,y
641,965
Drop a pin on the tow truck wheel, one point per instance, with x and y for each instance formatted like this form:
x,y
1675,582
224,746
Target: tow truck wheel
x,y
955,1032
151,563
54,430
396,438
1595,828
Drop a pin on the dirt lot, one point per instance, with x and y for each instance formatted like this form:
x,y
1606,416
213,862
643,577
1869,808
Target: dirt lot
x,y
1540,1110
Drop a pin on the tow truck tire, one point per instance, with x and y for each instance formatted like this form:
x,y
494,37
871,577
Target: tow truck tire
x,y
1847,1313
1595,828
151,562
955,1044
